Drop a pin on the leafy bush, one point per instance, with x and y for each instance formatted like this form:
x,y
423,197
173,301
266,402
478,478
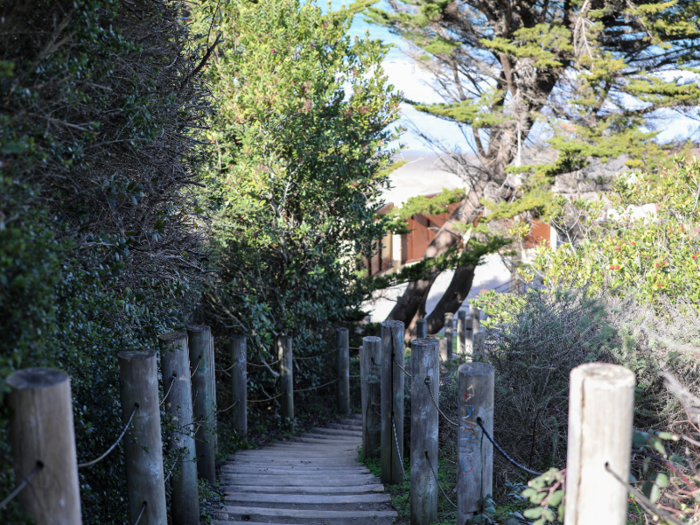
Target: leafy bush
x,y
98,246
295,174
651,252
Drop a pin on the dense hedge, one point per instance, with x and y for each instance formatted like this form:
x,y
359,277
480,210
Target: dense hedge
x,y
99,247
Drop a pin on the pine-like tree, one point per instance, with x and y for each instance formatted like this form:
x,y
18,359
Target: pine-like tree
x,y
591,76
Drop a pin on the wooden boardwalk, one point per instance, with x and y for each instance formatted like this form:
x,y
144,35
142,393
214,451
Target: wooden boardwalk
x,y
313,480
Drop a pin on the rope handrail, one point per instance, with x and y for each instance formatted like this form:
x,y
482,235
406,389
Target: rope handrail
x,y
316,356
143,509
427,384
264,364
172,382
20,487
195,369
263,400
398,450
427,457
316,387
229,408
402,368
110,449
503,452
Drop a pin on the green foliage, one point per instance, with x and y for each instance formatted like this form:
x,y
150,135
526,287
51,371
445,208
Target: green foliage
x,y
295,175
651,254
502,73
98,251
420,204
547,492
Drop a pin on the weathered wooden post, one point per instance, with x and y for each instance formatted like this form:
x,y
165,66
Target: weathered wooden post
x,y
421,328
341,340
469,336
476,320
203,399
284,354
461,333
239,381
212,372
392,401
474,450
601,409
43,439
425,369
478,345
143,448
370,374
449,317
177,389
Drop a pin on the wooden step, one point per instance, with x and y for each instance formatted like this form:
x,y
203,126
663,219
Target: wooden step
x,y
312,514
309,489
302,499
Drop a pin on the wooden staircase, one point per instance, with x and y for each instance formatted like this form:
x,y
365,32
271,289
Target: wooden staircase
x,y
314,480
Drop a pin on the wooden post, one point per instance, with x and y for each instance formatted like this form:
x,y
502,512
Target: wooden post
x,y
462,333
239,381
448,334
421,328
392,401
601,409
43,438
370,374
341,340
469,336
143,448
284,354
478,345
212,372
474,450
476,320
177,386
425,369
203,399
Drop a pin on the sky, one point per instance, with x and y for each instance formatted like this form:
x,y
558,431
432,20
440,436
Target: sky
x,y
414,83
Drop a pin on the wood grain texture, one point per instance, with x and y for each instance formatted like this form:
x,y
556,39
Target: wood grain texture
x,y
284,354
461,333
42,431
341,339
203,399
449,321
239,383
371,396
474,450
175,369
392,401
425,369
601,410
143,447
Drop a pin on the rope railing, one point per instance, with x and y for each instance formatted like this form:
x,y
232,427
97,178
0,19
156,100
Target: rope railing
x,y
402,369
427,457
143,509
398,450
19,488
503,452
229,408
265,364
172,382
264,400
110,449
427,384
316,356
317,387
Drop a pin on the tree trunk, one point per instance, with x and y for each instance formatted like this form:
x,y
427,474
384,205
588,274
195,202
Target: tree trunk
x,y
453,298
407,306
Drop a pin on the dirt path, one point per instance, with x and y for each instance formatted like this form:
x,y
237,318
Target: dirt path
x,y
313,480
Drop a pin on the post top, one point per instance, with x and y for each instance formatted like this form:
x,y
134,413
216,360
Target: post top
x,y
425,341
198,328
341,329
136,355
475,369
37,378
462,314
171,337
449,314
604,373
237,337
391,323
